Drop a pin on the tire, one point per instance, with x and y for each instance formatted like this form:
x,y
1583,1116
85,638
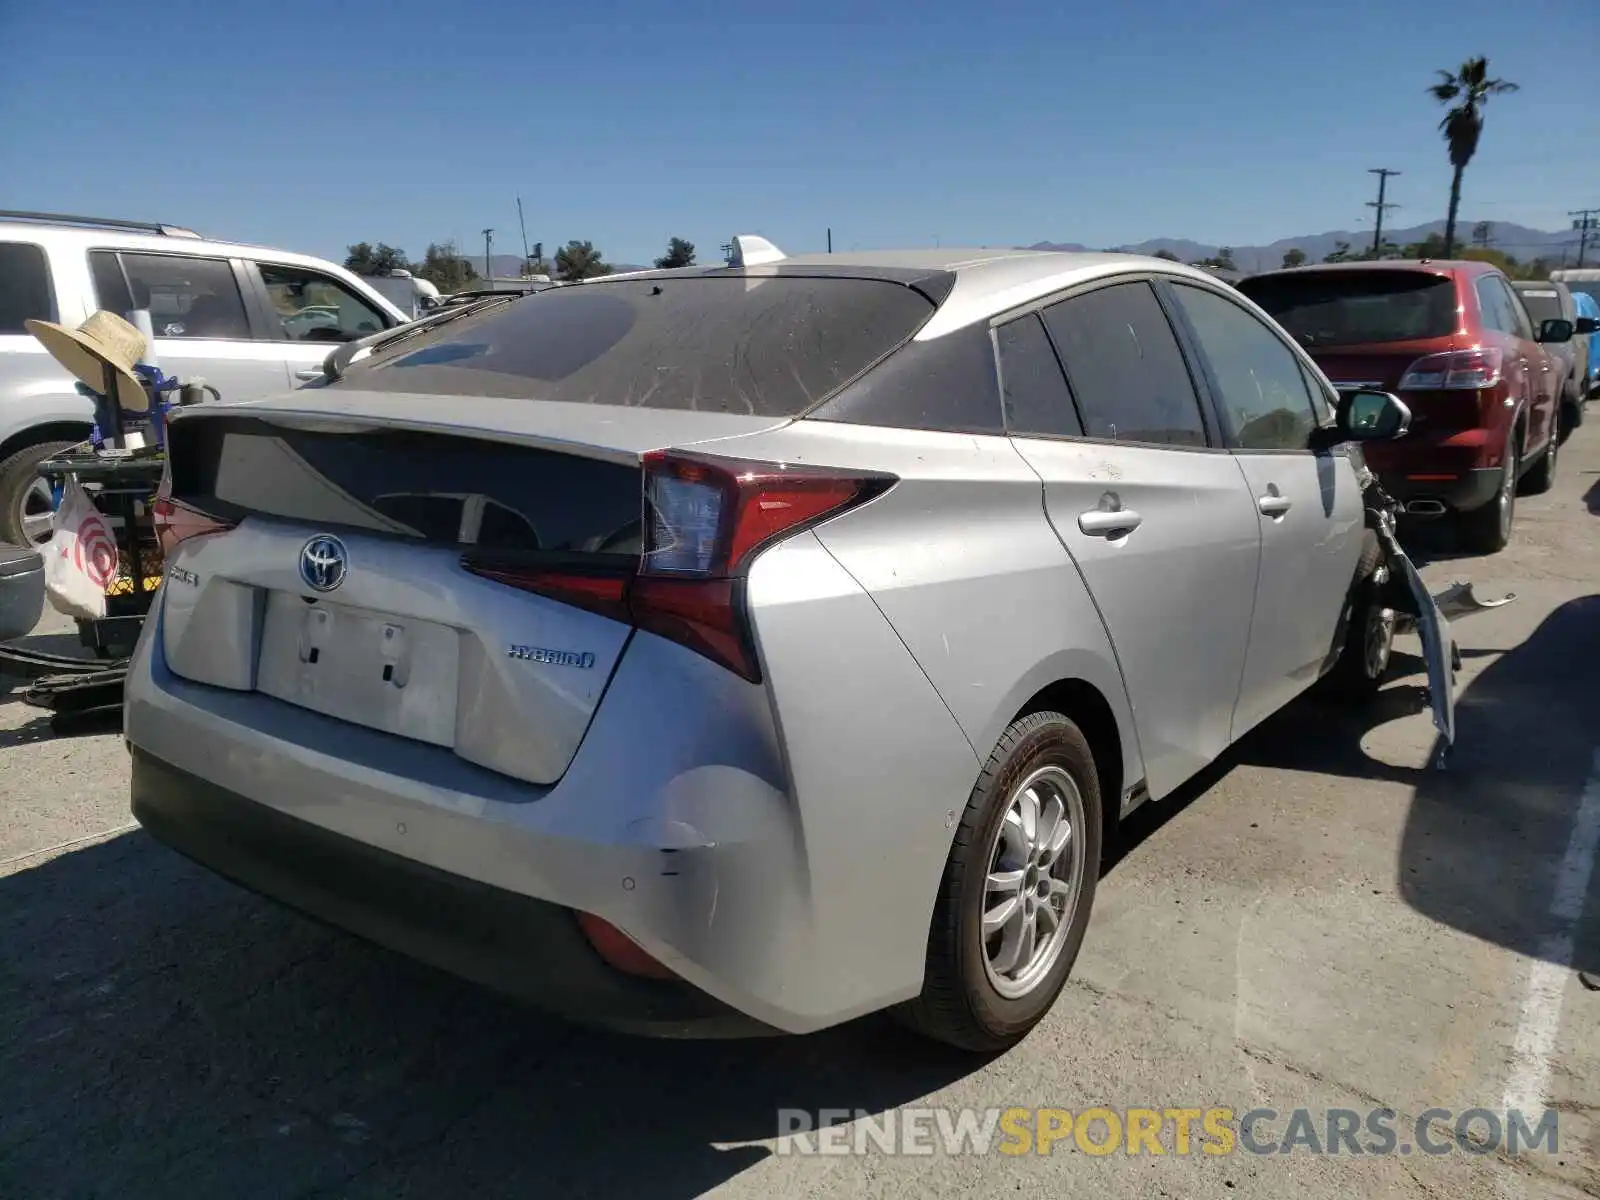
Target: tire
x,y
18,475
1572,412
963,1002
1369,634
1541,477
1487,530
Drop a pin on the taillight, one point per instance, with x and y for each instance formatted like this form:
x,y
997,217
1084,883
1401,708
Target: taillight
x,y
705,520
176,522
1454,370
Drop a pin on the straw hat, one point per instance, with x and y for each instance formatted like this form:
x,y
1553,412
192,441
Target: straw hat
x,y
103,338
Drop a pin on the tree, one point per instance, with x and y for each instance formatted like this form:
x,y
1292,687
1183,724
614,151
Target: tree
x,y
1294,257
579,260
366,259
1341,253
1222,260
679,254
445,269
1168,255
1467,91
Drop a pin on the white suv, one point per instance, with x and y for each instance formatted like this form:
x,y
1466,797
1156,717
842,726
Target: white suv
x,y
246,319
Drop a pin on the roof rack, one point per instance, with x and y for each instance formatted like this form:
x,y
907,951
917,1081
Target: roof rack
x,y
103,222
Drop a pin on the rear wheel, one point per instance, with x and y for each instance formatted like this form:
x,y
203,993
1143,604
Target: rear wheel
x,y
1487,530
25,503
1572,411
1541,477
1017,889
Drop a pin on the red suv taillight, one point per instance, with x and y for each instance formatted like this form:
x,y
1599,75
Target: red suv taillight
x,y
176,522
705,520
1455,370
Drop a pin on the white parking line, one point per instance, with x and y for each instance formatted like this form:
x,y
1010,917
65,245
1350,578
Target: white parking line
x,y
1547,980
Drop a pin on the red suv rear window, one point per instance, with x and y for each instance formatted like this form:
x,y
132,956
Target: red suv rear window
x,y
1351,308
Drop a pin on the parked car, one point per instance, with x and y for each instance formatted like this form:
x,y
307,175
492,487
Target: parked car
x,y
1547,299
1455,342
1589,310
842,721
247,319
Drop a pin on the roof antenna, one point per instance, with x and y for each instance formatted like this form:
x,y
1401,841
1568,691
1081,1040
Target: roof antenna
x,y
748,250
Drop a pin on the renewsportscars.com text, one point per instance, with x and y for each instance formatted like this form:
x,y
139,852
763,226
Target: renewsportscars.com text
x,y
1215,1130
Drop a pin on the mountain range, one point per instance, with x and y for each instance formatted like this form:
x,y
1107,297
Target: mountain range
x,y
1519,241
1516,240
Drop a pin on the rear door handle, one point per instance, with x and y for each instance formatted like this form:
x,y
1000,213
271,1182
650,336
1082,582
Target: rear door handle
x,y
309,374
1274,505
1100,522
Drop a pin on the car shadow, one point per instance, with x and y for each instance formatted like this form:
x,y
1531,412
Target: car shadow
x,y
1483,838
166,1033
1591,498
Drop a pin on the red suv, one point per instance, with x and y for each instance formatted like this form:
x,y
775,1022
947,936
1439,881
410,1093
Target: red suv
x,y
1454,342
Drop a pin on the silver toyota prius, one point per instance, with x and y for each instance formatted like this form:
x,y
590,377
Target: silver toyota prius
x,y
746,648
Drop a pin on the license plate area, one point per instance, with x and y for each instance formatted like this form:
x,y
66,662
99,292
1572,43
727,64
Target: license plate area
x,y
386,672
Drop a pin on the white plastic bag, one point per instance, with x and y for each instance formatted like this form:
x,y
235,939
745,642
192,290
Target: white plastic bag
x,y
80,562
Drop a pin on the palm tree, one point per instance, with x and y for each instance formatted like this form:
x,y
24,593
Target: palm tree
x,y
1466,91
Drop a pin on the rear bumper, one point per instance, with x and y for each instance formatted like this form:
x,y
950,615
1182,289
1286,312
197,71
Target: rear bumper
x,y
1457,470
791,879
1462,493
526,948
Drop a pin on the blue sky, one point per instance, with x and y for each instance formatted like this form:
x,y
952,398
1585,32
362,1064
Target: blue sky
x,y
312,125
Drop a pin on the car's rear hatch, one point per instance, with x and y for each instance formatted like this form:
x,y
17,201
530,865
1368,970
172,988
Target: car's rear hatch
x,y
361,525
1369,326
344,582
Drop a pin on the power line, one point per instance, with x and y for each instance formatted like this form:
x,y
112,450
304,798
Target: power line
x,y
1586,221
1383,174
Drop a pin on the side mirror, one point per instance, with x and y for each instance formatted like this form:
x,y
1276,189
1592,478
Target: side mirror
x,y
1554,330
1364,415
1585,325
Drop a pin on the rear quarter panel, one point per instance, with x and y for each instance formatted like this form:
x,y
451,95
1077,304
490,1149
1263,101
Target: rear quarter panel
x,y
961,560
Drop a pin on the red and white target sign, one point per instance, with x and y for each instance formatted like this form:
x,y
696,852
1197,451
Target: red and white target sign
x,y
94,551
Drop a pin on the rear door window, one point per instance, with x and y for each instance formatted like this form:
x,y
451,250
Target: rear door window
x,y
1543,304
1322,309
768,345
188,296
25,291
1494,308
1125,368
1037,399
1516,311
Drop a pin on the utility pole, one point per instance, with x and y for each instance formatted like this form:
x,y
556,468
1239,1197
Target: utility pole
x,y
830,239
1587,222
488,240
1383,174
524,227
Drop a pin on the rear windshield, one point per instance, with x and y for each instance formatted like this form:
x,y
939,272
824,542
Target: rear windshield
x,y
1589,287
1350,308
771,347
1542,303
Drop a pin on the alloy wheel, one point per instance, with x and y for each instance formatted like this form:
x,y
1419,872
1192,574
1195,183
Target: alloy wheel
x,y
35,511
1507,499
1036,873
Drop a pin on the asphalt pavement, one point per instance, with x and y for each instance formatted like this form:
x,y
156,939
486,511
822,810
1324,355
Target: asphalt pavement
x,y
1321,922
